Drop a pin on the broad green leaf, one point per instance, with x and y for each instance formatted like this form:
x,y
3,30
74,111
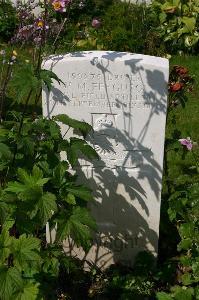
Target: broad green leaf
x,y
46,206
10,282
59,172
81,192
78,226
8,224
163,296
35,179
185,244
51,266
186,279
15,187
25,251
46,76
24,82
83,127
187,230
78,146
29,292
5,245
190,22
183,293
86,149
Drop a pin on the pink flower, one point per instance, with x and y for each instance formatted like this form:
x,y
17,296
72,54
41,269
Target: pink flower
x,y
96,23
60,5
187,143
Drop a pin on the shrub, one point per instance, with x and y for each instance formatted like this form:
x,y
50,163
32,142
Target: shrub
x,y
179,24
8,20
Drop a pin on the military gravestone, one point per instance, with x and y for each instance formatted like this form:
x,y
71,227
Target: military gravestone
x,y
124,97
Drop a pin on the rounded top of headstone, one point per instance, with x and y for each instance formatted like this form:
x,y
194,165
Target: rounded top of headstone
x,y
112,56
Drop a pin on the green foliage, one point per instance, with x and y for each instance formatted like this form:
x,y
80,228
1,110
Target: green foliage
x,y
8,20
124,27
28,81
37,187
182,201
178,23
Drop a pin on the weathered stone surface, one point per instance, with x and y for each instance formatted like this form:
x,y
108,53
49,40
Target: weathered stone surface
x,y
124,97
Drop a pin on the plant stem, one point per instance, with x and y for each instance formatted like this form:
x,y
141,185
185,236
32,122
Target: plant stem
x,y
3,90
21,124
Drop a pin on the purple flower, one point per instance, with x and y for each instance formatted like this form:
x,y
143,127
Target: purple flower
x,y
39,24
187,143
96,23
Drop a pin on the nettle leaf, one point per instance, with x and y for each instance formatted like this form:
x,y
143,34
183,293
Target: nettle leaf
x,y
54,128
83,127
10,282
46,206
25,251
29,292
47,77
51,266
31,186
78,145
5,245
78,226
15,187
59,172
24,81
81,192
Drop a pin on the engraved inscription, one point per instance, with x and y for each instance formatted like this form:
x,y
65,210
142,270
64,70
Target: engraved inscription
x,y
103,90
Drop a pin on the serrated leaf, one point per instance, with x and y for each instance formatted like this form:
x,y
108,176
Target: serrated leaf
x,y
86,149
25,81
46,206
81,192
5,245
25,251
46,76
78,226
78,145
10,282
51,266
29,292
59,174
15,187
83,127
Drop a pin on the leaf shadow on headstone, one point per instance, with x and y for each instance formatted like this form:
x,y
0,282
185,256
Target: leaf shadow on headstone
x,y
127,172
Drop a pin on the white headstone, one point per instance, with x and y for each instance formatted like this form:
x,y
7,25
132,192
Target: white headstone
x,y
124,97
